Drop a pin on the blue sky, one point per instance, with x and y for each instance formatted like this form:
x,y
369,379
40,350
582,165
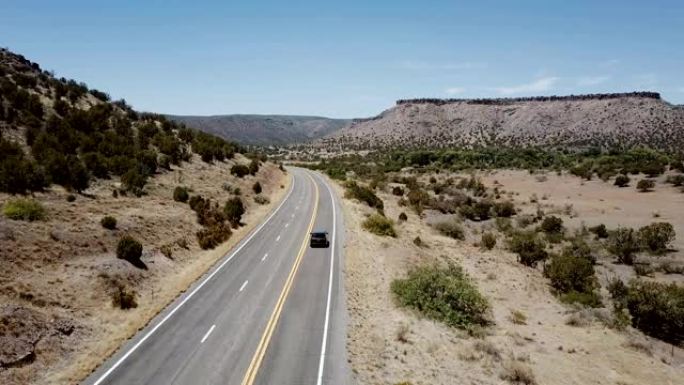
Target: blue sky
x,y
348,59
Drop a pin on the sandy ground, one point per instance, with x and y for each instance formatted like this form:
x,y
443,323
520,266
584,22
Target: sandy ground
x,y
57,276
388,345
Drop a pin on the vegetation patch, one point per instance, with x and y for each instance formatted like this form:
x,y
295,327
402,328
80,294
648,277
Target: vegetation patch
x,y
180,194
529,247
108,222
363,194
129,249
379,225
451,229
24,209
445,294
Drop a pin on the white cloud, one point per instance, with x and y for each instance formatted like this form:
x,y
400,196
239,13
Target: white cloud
x,y
646,81
609,63
424,66
454,90
539,85
592,80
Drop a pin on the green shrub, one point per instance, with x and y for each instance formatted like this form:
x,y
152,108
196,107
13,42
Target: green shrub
x,y
530,249
418,242
254,167
600,231
445,294
214,235
108,222
196,202
234,209
239,170
134,181
129,249
504,209
623,243
676,180
569,272
656,237
477,210
71,198
403,217
645,185
24,209
124,299
418,198
363,194
488,241
261,200
256,187
590,299
621,180
552,225
579,248
657,309
180,194
379,225
451,229
398,191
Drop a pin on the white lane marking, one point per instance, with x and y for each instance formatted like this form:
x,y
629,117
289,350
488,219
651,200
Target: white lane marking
x,y
243,286
211,329
192,293
264,257
287,224
297,207
324,343
292,215
277,239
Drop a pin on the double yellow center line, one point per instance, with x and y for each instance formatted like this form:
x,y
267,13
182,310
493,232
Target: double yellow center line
x,y
258,357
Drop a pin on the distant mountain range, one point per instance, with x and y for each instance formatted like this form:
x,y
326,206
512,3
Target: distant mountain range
x,y
265,130
596,120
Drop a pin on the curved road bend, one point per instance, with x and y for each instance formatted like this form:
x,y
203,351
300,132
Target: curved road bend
x,y
269,312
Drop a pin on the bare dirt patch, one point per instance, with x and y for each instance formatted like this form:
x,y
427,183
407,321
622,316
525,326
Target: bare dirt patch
x,y
57,277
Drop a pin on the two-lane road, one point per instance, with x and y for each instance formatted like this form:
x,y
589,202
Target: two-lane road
x,y
270,312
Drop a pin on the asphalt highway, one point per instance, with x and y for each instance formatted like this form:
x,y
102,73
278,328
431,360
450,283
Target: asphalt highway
x,y
271,311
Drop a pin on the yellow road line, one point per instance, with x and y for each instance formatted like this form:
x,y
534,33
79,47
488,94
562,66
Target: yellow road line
x,y
260,352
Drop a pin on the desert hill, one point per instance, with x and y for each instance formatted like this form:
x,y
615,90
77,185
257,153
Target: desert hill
x,y
603,120
264,129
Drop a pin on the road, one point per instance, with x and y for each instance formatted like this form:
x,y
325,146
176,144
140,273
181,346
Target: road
x,y
269,312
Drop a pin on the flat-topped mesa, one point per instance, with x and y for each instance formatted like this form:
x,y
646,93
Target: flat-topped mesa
x,y
550,98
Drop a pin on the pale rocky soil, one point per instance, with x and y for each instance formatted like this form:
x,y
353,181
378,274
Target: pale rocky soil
x,y
546,345
630,121
57,276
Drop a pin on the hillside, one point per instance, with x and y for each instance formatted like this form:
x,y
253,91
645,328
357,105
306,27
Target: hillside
x,y
605,120
264,129
106,215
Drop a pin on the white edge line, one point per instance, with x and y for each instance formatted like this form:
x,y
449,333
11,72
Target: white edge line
x,y
321,362
243,286
264,257
192,293
211,329
277,239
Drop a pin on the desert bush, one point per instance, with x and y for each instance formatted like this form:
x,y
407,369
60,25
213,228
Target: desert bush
x,y
445,294
600,231
579,248
568,273
676,180
261,200
477,210
657,309
403,217
488,241
239,170
643,269
213,235
256,187
504,209
623,243
418,242
518,317
530,249
363,194
552,225
504,225
196,202
71,198
645,185
451,229
398,191
656,237
24,209
589,299
418,198
253,166
518,373
134,181
234,209
621,180
108,222
124,298
180,194
379,225
129,249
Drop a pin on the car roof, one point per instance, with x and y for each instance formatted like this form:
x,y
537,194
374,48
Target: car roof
x,y
319,232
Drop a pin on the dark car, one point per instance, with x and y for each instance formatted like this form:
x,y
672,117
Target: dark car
x,y
320,239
